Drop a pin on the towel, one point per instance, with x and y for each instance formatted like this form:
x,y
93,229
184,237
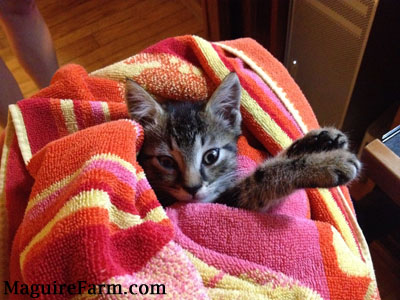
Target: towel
x,y
76,207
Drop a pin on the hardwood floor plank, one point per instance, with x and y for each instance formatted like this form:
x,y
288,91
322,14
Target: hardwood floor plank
x,y
84,14
182,28
76,49
98,25
133,42
129,25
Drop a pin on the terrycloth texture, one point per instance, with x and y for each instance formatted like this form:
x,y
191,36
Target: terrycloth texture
x,y
75,204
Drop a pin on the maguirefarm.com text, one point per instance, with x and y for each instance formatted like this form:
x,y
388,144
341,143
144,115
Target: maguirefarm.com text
x,y
79,288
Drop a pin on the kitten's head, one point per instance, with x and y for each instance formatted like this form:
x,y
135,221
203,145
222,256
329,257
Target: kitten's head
x,y
189,149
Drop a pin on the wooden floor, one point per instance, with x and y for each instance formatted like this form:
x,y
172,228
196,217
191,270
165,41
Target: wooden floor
x,y
96,33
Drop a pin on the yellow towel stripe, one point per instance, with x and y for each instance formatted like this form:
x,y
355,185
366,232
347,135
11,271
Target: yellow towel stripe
x,y
85,199
372,290
65,181
360,237
339,220
106,111
156,215
120,70
67,108
260,116
348,262
265,121
4,245
123,219
91,199
270,82
231,287
20,130
212,57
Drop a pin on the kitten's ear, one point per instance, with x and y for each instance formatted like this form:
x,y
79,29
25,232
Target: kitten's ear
x,y
142,107
225,101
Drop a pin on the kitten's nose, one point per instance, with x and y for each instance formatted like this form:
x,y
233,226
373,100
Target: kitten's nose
x,y
192,189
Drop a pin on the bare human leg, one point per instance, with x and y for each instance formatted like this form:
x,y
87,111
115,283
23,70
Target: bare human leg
x,y
31,41
9,92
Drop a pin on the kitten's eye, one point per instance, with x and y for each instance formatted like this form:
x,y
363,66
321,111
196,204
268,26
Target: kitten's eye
x,y
166,162
211,156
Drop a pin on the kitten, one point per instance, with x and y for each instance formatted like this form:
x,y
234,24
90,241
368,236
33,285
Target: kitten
x,y
189,152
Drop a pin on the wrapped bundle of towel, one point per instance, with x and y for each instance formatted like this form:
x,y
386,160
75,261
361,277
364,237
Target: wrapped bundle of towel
x,y
76,206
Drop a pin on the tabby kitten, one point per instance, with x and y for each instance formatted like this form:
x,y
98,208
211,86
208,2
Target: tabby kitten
x,y
189,152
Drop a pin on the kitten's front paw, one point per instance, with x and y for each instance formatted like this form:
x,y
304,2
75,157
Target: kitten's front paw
x,y
323,139
347,168
333,168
